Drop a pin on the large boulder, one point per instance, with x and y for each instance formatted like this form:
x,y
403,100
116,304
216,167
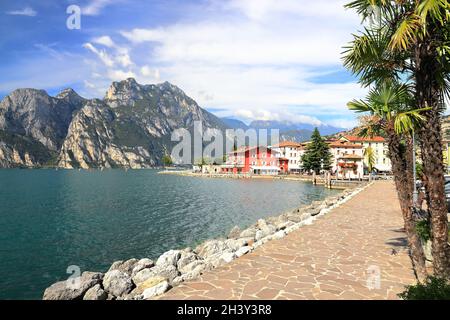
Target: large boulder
x,y
149,283
248,233
235,232
142,264
96,293
191,266
264,231
168,272
219,259
169,258
73,288
242,251
191,275
117,283
156,290
185,259
210,248
124,266
236,244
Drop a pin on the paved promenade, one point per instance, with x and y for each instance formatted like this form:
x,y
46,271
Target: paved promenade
x,y
337,257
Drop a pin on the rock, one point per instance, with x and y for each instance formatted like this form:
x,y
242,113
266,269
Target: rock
x,y
124,266
169,258
315,211
236,244
265,231
191,266
331,201
248,233
284,225
166,271
279,234
95,293
73,288
242,251
259,235
261,224
117,283
227,257
149,283
142,264
316,203
192,275
234,233
219,259
210,248
186,259
157,290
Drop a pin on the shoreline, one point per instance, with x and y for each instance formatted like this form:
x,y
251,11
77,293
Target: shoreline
x,y
335,184
135,279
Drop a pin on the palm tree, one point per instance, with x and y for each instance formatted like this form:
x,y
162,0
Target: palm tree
x,y
388,107
412,43
369,156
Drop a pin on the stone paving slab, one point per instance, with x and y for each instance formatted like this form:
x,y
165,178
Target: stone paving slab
x,y
337,257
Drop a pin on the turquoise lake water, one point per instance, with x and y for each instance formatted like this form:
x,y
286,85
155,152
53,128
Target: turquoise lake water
x,y
50,219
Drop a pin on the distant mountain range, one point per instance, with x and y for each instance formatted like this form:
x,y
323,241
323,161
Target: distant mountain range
x,y
289,131
130,127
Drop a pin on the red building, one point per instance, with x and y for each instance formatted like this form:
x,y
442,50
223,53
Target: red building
x,y
253,160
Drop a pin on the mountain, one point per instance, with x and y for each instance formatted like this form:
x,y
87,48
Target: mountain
x,y
290,126
33,125
130,127
234,123
291,131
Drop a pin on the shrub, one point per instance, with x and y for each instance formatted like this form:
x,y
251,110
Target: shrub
x,y
423,230
433,289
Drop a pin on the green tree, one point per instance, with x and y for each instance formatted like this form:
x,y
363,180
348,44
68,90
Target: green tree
x,y
369,156
317,154
410,41
167,160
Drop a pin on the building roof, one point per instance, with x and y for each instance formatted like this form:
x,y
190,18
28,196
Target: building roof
x,y
284,144
246,148
365,139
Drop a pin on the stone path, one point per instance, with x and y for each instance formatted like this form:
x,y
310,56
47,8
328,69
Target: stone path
x,y
337,257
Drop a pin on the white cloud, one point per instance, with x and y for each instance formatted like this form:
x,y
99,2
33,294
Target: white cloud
x,y
104,40
118,75
343,123
27,11
144,35
251,59
104,57
94,7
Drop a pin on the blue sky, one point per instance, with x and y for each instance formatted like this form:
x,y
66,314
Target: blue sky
x,y
247,59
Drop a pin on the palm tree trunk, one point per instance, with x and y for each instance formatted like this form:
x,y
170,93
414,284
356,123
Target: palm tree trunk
x,y
401,159
428,94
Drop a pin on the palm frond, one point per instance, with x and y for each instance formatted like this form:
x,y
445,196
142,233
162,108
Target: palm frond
x,y
406,32
359,106
435,9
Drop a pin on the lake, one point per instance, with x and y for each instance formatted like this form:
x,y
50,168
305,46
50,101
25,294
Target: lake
x,y
51,219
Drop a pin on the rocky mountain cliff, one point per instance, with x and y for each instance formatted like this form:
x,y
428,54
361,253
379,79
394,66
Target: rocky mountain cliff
x,y
130,127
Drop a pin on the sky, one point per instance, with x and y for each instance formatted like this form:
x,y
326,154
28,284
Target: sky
x,y
245,59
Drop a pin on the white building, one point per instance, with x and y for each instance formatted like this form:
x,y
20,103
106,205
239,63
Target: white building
x,y
293,152
379,148
347,159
